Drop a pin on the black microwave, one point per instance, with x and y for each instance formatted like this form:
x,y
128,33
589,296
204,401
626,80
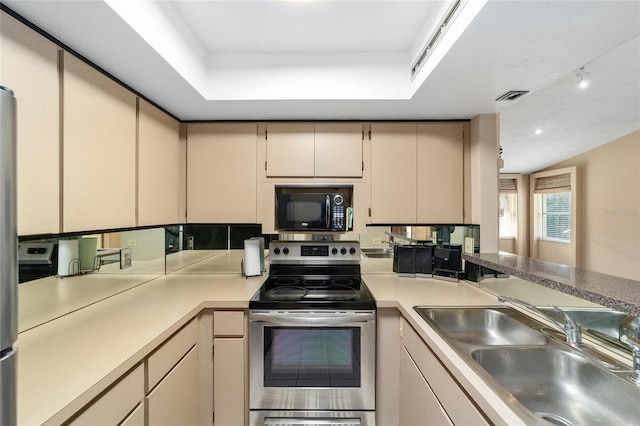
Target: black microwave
x,y
312,209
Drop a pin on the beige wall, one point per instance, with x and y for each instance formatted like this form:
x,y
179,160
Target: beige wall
x,y
485,140
609,207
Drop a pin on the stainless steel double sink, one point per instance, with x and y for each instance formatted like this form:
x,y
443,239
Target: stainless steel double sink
x,y
535,372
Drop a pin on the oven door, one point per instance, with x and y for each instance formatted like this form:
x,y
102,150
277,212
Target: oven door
x,y
320,360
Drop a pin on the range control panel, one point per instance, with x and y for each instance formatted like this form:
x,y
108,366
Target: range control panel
x,y
35,253
309,252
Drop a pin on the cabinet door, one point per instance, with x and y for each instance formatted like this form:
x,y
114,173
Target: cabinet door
x,y
160,153
29,67
99,142
115,404
290,149
176,400
338,149
453,399
221,173
136,418
440,186
418,404
229,381
393,173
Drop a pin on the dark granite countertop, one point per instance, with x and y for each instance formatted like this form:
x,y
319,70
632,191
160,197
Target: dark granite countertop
x,y
613,292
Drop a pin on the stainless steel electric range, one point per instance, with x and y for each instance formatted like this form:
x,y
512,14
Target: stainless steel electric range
x,y
313,338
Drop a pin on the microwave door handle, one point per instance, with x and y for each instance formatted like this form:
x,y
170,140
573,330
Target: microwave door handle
x,y
279,319
327,209
311,421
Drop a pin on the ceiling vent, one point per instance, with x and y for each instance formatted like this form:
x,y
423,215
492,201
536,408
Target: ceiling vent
x,y
512,95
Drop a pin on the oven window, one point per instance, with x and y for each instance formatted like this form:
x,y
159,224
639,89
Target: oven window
x,y
312,357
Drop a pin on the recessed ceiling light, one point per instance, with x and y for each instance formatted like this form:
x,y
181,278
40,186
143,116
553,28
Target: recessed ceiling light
x,y
538,131
583,78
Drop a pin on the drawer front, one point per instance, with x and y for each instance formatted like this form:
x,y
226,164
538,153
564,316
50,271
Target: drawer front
x,y
115,404
228,323
166,356
455,401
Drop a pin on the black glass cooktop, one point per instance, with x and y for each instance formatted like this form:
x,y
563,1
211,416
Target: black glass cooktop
x,y
304,292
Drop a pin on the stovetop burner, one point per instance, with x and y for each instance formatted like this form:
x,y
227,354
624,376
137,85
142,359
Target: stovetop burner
x,y
306,275
313,289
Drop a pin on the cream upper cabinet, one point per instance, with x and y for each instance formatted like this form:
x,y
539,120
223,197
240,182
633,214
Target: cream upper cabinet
x,y
160,154
290,149
440,173
99,150
393,173
222,173
314,150
29,67
338,150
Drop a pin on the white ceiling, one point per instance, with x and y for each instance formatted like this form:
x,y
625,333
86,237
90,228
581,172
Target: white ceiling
x,y
351,60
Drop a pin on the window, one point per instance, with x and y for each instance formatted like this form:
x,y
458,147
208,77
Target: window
x,y
556,216
508,215
508,212
554,206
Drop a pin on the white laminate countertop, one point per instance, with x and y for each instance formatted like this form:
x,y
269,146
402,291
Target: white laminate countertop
x,y
59,361
67,361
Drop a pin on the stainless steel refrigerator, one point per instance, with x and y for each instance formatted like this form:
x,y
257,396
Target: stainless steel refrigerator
x,y
8,258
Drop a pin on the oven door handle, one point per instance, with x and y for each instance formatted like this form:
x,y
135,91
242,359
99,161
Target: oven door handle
x,y
280,319
311,421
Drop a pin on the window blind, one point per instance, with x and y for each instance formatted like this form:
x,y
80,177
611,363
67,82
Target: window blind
x,y
508,186
556,183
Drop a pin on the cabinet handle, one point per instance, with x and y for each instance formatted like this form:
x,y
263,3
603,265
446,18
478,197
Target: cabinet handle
x,y
311,421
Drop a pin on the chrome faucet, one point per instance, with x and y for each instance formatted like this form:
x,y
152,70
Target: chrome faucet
x,y
635,348
570,328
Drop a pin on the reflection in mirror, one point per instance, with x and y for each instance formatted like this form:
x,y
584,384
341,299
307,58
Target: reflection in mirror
x,y
47,292
132,252
208,249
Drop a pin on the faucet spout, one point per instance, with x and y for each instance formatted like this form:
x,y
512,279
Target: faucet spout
x,y
635,348
570,327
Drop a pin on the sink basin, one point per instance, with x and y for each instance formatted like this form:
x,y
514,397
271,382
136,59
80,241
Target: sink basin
x,y
377,252
482,326
561,386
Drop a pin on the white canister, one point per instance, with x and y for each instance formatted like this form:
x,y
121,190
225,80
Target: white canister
x,y
68,257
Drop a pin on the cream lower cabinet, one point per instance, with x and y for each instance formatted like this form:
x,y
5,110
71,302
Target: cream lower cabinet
x,y
428,390
176,399
117,404
230,367
418,403
173,380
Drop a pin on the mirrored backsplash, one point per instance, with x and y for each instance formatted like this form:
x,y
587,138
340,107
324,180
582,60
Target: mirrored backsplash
x,y
135,251
157,250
